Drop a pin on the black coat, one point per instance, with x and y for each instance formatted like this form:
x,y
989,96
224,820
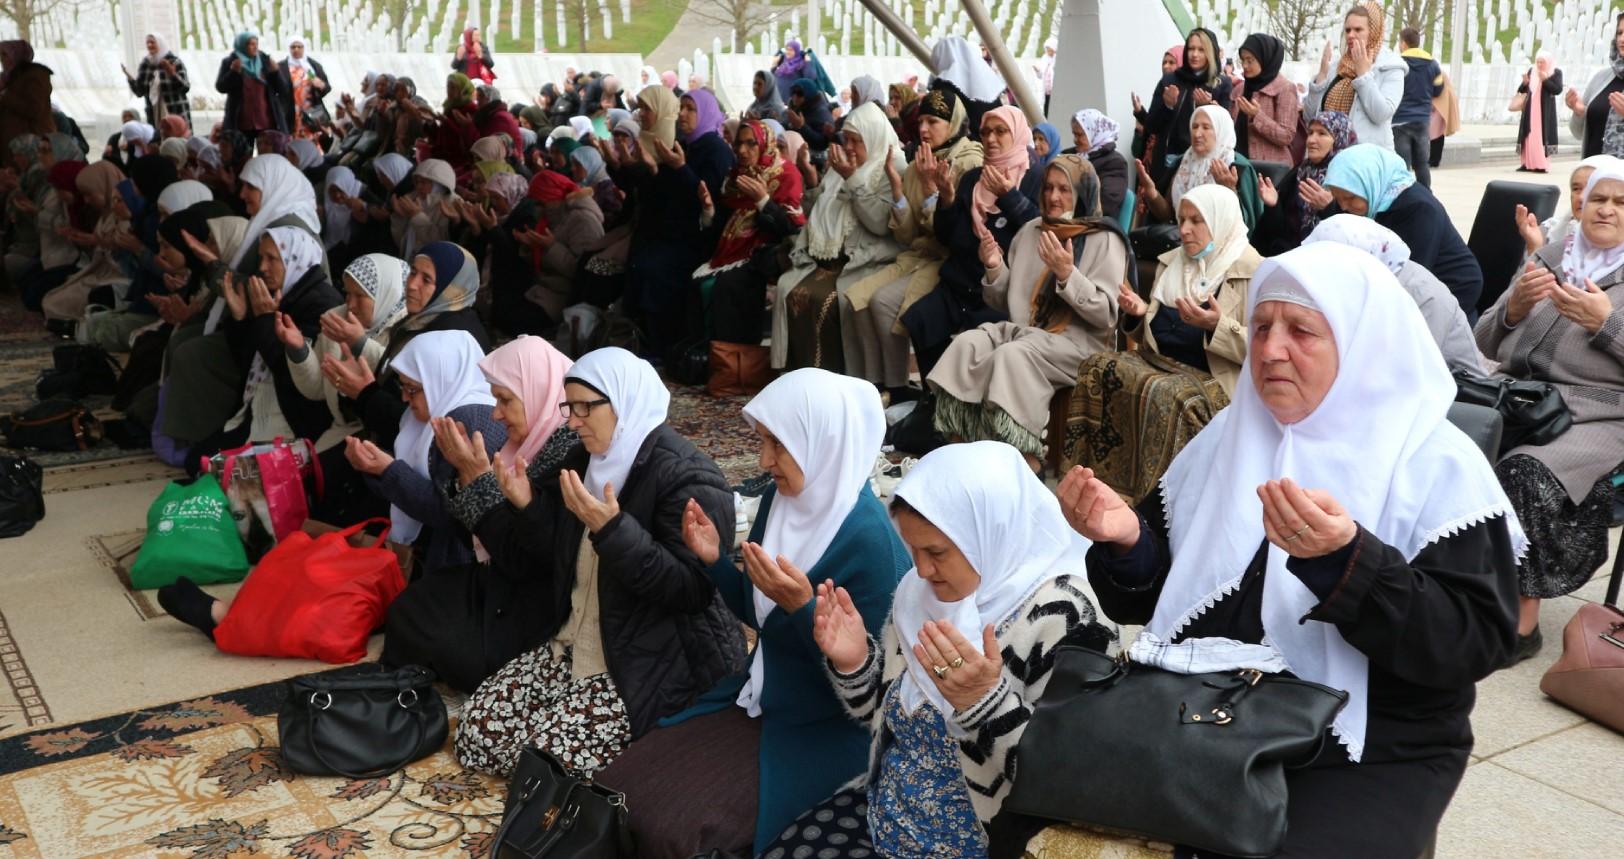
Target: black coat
x,y
1171,125
378,404
1548,93
1435,244
1116,177
304,301
230,83
667,636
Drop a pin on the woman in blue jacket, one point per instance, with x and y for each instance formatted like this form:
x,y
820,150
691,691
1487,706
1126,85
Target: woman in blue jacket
x,y
736,768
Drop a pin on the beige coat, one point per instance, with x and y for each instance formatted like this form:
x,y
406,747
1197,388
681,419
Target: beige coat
x,y
577,226
1226,347
313,384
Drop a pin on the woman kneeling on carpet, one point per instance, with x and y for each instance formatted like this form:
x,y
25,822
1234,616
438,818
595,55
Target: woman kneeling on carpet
x,y
630,627
765,745
466,621
948,687
1337,523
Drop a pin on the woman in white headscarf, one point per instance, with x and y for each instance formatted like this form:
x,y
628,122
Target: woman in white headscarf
x,y
1210,160
304,154
161,82
138,137
946,711
1191,332
277,195
181,196
374,303
339,223
416,220
1536,233
765,745
1335,525
960,66
847,238
633,628
1445,320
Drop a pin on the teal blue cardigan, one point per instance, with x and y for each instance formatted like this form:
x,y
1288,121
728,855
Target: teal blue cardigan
x,y
809,746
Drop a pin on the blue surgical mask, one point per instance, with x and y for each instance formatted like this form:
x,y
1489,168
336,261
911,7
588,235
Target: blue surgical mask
x,y
1203,252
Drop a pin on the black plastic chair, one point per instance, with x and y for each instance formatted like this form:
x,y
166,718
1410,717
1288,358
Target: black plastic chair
x,y
1274,171
1495,240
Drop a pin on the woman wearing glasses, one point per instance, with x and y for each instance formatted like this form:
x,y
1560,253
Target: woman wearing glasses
x,y
631,628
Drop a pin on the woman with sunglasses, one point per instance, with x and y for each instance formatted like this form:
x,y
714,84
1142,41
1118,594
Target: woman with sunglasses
x,y
630,627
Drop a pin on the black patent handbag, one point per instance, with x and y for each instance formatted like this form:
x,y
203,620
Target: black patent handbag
x,y
1533,412
22,495
1192,759
554,812
363,721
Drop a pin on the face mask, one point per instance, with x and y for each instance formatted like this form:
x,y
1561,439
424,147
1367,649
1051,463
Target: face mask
x,y
1204,251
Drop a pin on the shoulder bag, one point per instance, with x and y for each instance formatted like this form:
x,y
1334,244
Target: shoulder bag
x,y
1534,412
1589,676
364,721
553,812
22,495
53,425
1193,759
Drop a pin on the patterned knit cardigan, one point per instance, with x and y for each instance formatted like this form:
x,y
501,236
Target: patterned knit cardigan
x,y
1058,612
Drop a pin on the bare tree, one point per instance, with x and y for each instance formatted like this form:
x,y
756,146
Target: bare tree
x,y
1420,14
1296,21
397,12
23,13
746,17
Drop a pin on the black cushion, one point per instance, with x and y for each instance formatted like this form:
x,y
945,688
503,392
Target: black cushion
x,y
1274,171
1481,424
1495,240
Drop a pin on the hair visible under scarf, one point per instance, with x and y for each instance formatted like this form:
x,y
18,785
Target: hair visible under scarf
x,y
1372,172
1386,452
1340,95
640,400
534,371
1209,76
446,364
1195,169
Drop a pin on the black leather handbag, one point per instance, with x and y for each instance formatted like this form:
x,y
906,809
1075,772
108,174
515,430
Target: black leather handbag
x,y
553,812
22,495
78,371
1192,759
52,425
362,721
1534,412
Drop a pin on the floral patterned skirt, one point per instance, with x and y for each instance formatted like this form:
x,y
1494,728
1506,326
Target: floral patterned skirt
x,y
533,700
1567,542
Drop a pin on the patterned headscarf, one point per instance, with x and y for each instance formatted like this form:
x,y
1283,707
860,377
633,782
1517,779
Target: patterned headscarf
x,y
1342,136
1340,96
383,278
1100,129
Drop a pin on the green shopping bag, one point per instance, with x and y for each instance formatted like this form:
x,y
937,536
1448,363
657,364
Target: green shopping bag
x,y
191,533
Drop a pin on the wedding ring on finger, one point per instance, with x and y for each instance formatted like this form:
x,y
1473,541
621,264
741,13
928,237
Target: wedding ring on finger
x,y
958,662
941,670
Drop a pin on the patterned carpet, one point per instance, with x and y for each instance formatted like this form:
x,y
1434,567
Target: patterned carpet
x,y
206,779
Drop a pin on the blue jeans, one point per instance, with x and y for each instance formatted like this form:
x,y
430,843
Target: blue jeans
x,y
1412,143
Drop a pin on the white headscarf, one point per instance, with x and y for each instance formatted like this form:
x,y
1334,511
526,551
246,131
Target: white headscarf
x,y
138,132
308,153
1196,170
649,77
446,364
832,426
1198,279
337,230
1387,453
1358,231
960,64
832,218
984,498
383,278
1557,226
183,195
162,50
582,126
640,400
393,167
302,62
300,253
284,191
1580,259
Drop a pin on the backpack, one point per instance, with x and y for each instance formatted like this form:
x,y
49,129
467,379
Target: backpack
x,y
77,371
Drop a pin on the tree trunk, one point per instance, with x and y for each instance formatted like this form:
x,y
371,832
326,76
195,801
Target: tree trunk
x,y
580,24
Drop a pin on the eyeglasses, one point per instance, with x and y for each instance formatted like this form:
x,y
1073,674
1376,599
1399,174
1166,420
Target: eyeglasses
x,y
579,409
410,390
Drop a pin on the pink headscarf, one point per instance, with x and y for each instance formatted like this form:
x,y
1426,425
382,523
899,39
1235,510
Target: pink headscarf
x,y
1177,52
1013,161
534,371
669,78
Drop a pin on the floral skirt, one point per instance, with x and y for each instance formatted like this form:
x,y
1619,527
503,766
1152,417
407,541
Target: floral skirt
x,y
1567,542
533,701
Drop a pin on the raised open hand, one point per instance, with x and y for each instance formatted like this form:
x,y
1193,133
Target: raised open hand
x,y
1095,511
838,629
699,534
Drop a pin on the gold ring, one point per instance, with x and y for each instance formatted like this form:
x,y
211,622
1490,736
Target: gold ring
x,y
1292,537
1299,531
958,663
941,670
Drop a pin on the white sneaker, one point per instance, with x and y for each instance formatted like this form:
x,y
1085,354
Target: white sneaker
x,y
884,478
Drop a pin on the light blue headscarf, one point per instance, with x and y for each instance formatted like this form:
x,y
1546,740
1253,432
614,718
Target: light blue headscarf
x,y
592,163
1372,172
250,65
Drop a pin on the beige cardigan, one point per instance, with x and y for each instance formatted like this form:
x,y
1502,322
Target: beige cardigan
x,y
1226,346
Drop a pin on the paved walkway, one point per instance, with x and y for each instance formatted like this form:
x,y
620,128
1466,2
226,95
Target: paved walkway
x,y
692,31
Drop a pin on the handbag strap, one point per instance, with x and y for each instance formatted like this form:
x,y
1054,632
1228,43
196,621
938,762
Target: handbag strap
x,y
364,524
315,743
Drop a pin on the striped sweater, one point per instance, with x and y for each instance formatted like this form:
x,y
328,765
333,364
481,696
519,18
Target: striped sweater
x,y
1058,612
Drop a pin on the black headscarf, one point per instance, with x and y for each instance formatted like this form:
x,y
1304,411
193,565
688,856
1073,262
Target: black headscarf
x,y
941,103
192,220
1270,53
242,148
151,175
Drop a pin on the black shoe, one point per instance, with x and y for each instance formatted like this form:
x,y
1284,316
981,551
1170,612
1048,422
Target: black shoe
x,y
905,394
1527,646
189,604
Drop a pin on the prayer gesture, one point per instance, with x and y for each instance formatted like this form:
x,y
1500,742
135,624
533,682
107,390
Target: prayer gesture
x,y
1616,102
1307,523
705,202
1246,105
287,332
236,298
1325,62
594,514
1575,103
699,534
963,673
1267,192
23,204
749,186
1147,187
451,208
1095,511
1204,315
1129,301
777,579
1201,96
532,238
1056,255
1534,284
895,179
1360,57
838,629
261,300
514,480
840,163
1314,194
1224,174
1528,227
1138,106
340,326
1588,308
1170,95
407,206
997,181
350,375
992,256
671,156
367,457
793,118
466,455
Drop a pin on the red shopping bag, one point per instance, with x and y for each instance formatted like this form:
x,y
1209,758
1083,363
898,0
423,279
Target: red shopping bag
x,y
314,598
279,469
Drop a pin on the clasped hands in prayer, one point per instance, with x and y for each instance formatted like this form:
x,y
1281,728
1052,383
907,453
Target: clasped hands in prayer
x,y
466,454
1305,523
1588,308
